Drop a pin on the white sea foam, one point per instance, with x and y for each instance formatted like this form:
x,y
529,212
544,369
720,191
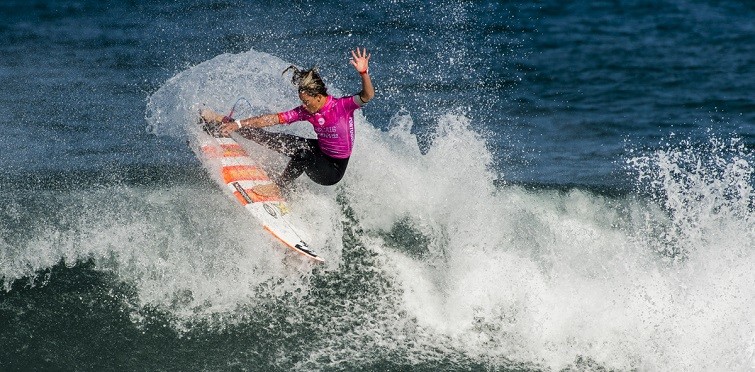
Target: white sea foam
x,y
659,284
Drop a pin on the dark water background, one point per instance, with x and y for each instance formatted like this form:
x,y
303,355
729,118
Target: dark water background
x,y
565,95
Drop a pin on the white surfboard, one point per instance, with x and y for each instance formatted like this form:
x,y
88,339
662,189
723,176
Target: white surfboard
x,y
237,172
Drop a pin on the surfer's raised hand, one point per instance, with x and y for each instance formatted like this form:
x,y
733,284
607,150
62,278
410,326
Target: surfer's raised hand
x,y
360,60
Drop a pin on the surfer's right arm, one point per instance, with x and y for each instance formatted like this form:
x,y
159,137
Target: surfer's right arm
x,y
253,122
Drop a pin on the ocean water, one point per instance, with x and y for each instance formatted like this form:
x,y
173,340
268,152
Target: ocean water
x,y
539,186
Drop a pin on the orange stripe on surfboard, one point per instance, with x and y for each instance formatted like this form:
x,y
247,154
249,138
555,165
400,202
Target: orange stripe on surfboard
x,y
233,173
210,151
233,150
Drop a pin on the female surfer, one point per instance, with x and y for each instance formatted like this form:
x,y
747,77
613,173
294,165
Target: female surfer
x,y
323,159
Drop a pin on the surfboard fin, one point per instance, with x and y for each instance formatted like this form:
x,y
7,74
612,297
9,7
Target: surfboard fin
x,y
305,249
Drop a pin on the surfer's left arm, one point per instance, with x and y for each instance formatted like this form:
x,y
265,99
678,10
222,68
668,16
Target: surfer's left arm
x,y
360,59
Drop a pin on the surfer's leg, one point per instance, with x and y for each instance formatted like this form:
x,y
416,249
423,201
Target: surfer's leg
x,y
286,144
295,167
293,170
325,170
301,160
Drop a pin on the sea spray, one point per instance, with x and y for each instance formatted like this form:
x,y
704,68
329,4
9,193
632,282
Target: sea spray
x,y
706,189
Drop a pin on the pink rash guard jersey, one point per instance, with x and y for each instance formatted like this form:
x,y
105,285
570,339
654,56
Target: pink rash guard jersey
x,y
333,123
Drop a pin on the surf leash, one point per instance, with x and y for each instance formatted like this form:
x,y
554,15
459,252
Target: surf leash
x,y
229,117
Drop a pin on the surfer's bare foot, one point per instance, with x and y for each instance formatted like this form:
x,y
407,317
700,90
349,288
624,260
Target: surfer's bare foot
x,y
269,190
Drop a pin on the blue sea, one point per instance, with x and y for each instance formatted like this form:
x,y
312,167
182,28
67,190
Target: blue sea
x,y
537,186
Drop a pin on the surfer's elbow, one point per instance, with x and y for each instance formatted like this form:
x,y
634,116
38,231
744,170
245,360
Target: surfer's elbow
x,y
366,96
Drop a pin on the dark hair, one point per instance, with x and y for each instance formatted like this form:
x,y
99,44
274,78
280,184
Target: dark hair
x,y
308,81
